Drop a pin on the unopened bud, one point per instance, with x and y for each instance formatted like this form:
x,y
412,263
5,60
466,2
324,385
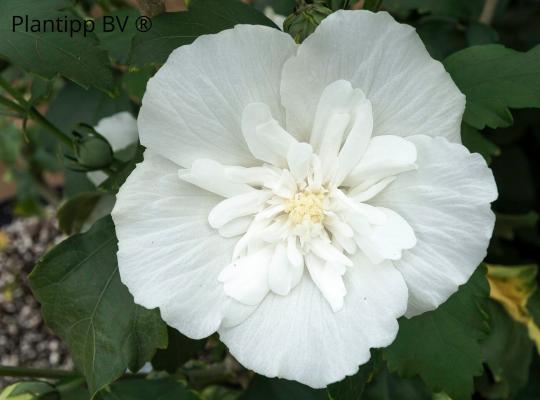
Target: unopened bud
x,y
92,151
305,20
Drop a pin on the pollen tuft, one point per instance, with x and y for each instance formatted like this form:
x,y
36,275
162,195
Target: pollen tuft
x,y
306,206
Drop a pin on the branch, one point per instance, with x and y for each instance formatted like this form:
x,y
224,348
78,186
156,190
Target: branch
x,y
26,109
37,372
151,8
488,11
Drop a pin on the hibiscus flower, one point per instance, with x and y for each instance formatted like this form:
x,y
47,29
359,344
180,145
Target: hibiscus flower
x,y
299,199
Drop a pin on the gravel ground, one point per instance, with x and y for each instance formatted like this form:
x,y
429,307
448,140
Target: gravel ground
x,y
24,339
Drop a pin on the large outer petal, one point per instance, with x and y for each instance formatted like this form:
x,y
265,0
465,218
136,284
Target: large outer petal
x,y
169,257
447,203
410,92
299,337
193,106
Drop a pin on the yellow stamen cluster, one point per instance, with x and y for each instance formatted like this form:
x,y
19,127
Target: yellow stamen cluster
x,y
306,205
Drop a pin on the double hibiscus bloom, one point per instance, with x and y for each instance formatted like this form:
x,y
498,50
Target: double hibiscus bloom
x,y
298,199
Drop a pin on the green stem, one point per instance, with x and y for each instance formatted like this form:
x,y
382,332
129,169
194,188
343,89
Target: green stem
x,y
36,372
31,111
12,91
10,104
37,117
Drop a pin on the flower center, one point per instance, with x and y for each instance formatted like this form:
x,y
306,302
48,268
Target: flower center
x,y
306,206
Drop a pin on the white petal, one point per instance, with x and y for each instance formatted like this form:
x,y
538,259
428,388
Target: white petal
x,y
282,275
326,251
266,139
168,255
385,156
387,241
252,234
331,141
293,253
119,129
235,312
337,98
276,231
372,214
299,337
410,92
235,227
193,106
356,143
360,194
246,278
335,225
237,206
255,176
299,160
446,202
328,280
210,175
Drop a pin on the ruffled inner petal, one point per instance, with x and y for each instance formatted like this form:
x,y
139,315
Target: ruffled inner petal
x,y
246,279
385,156
329,280
266,139
387,241
210,175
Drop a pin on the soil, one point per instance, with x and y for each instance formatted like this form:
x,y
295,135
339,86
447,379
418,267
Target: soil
x,y
25,340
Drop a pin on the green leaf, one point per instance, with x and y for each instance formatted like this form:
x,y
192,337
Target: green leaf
x,y
48,53
388,386
494,79
10,142
74,105
172,30
262,388
40,90
441,36
74,212
86,304
352,387
442,346
476,142
479,33
115,31
507,352
142,389
117,179
135,80
179,350
533,307
29,390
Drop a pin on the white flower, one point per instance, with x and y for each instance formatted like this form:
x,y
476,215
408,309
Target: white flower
x,y
299,199
120,130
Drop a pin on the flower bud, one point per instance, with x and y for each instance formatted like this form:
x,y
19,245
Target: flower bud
x,y
92,151
305,20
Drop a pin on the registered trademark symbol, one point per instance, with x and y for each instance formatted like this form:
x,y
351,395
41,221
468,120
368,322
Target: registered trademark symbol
x,y
143,23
